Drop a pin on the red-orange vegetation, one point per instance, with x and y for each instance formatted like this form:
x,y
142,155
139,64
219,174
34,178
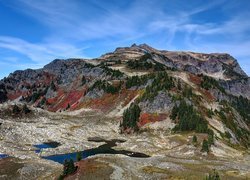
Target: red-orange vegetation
x,y
109,101
105,103
207,95
14,95
64,99
148,118
195,79
128,95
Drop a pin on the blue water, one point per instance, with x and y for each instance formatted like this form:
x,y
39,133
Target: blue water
x,y
103,149
46,145
3,156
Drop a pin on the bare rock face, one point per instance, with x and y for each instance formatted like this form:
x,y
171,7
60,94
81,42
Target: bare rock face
x,y
50,93
96,93
219,95
161,103
239,87
57,66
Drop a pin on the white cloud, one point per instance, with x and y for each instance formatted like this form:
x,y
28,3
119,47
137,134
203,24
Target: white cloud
x,y
77,21
40,52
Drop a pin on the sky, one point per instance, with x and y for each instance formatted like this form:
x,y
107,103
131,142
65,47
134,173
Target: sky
x,y
34,32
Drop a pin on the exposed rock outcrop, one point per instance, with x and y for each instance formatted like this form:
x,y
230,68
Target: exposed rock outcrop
x,y
161,103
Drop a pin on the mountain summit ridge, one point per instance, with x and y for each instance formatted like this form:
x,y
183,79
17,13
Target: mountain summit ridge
x,y
128,60
182,60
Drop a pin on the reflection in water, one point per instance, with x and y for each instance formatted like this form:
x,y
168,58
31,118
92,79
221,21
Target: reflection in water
x,y
102,149
46,145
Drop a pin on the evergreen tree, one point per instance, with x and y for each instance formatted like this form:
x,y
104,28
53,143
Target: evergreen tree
x,y
52,86
243,107
15,109
68,106
83,80
174,112
210,113
210,137
179,84
26,110
79,156
187,92
210,83
68,167
131,117
188,118
194,140
43,101
205,146
71,166
213,176
35,96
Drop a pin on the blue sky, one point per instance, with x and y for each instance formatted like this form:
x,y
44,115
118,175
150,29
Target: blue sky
x,y
34,32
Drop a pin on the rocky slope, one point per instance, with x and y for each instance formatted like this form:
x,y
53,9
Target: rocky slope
x,y
109,83
154,92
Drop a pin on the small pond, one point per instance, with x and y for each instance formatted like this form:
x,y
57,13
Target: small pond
x,y
102,149
3,156
45,145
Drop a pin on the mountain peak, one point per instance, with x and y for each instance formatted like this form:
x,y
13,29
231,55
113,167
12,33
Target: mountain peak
x,y
198,63
143,46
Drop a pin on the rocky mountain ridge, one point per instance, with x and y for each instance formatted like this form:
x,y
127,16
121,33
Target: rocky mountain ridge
x,y
188,111
209,64
222,67
156,80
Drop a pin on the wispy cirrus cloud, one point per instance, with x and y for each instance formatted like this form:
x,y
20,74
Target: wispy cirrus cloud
x,y
40,52
101,26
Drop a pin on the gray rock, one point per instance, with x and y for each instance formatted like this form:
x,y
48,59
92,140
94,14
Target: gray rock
x,y
161,103
237,87
50,93
95,93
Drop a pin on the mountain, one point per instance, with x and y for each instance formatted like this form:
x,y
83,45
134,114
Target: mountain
x,y
121,76
142,87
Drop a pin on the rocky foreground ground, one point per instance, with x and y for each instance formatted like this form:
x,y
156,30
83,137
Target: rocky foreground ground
x,y
173,156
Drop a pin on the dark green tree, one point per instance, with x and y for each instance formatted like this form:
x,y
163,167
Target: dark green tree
x,y
210,137
79,156
213,176
35,96
205,146
71,166
15,109
227,135
210,83
68,106
187,92
43,101
210,113
68,167
179,84
53,86
243,107
83,80
194,140
26,110
131,117
188,118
